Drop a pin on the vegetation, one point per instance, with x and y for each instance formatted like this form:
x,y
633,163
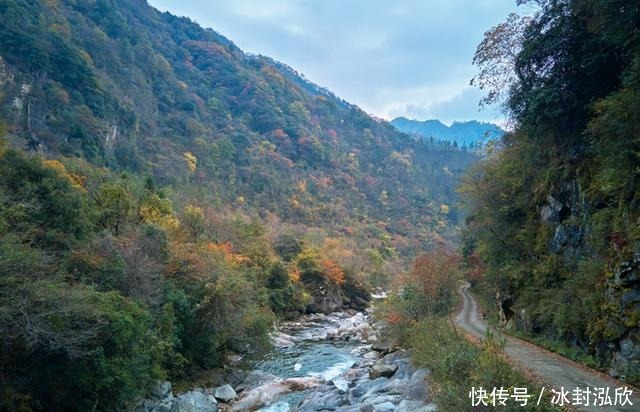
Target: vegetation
x,y
226,128
418,312
554,208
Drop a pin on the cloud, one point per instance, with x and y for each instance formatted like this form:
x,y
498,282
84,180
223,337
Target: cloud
x,y
402,57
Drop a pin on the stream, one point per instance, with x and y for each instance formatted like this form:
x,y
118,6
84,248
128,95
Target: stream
x,y
315,345
335,362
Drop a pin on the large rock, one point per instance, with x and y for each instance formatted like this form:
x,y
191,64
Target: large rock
x,y
417,388
265,394
161,390
224,393
326,296
194,401
385,370
384,407
255,378
329,399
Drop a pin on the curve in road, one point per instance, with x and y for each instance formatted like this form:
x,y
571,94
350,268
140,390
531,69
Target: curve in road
x,y
556,371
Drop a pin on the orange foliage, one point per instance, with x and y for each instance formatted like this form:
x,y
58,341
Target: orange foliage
x,y
332,271
433,271
294,274
226,250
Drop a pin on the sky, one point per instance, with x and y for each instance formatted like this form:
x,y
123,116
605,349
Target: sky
x,y
392,58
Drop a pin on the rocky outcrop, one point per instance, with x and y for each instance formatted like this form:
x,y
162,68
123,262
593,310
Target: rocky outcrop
x,y
623,329
566,211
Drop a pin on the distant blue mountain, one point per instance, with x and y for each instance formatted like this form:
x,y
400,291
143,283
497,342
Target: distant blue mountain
x,y
463,133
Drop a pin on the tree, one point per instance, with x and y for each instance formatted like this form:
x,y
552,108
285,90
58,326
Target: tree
x,y
287,247
193,220
114,205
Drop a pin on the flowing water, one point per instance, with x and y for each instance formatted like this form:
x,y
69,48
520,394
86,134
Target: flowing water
x,y
316,351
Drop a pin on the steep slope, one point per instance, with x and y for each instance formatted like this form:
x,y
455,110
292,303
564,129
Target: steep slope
x,y
469,133
125,86
555,210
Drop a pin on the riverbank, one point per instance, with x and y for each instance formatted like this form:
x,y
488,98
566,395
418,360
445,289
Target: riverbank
x,y
320,362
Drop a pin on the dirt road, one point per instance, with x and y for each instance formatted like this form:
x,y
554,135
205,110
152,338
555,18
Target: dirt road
x,y
555,371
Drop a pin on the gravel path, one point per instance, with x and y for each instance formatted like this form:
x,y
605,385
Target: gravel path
x,y
556,371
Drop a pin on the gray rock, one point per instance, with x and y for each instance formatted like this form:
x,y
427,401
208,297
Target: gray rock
x,y
409,406
194,401
395,386
384,345
384,407
341,384
417,387
224,393
255,378
382,370
161,390
329,400
164,406
366,386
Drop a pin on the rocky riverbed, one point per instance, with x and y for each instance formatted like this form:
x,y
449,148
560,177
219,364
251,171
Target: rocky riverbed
x,y
335,362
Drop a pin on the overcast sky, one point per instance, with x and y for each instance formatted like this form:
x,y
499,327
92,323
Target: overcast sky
x,y
390,57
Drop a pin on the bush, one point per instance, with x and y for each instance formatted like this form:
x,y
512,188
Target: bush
x,y
71,348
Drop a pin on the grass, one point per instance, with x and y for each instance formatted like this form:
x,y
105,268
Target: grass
x,y
457,366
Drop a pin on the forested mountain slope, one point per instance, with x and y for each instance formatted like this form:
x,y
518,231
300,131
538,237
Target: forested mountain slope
x,y
164,197
128,87
555,209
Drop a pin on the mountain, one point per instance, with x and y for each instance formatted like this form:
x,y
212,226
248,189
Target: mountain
x,y
462,133
127,87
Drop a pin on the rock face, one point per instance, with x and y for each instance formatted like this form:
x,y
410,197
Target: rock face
x,y
623,294
568,214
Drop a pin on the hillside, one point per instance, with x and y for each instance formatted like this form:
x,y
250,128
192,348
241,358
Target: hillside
x,y
134,89
553,227
463,134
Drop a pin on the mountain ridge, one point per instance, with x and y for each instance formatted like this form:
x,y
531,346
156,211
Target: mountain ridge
x,y
463,133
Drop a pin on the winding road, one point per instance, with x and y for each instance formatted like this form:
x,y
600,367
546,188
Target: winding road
x,y
557,372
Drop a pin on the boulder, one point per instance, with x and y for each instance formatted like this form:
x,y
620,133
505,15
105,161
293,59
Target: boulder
x,y
194,401
164,406
384,345
255,378
385,370
384,407
323,400
266,393
224,393
161,390
417,388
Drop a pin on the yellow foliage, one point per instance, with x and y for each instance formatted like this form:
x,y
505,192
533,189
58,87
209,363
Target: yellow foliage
x,y
444,209
157,211
76,180
192,161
